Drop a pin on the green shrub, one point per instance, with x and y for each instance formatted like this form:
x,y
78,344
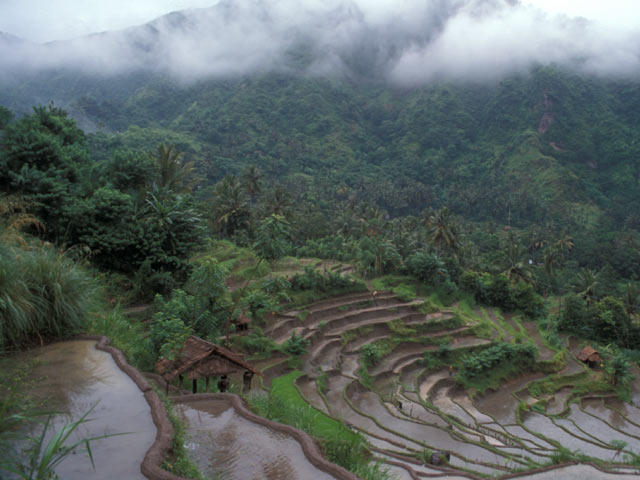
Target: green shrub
x,y
296,345
426,267
371,354
313,280
498,291
256,342
478,363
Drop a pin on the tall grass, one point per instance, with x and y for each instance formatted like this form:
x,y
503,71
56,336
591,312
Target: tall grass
x,y
43,295
127,335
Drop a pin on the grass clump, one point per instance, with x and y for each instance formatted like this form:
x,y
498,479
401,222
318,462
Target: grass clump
x,y
43,296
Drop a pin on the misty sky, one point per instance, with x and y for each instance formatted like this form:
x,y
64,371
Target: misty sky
x,y
46,20
403,41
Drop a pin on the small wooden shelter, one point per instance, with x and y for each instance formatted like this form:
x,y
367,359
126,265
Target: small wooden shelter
x,y
590,356
201,359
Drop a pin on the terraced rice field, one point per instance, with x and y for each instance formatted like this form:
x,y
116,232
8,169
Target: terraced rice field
x,y
406,410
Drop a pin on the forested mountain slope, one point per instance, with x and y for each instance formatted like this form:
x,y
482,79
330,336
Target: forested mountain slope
x,y
546,145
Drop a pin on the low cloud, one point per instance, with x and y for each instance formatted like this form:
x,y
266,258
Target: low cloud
x,y
412,43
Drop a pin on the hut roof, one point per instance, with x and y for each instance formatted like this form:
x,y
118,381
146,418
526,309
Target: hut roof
x,y
243,320
194,354
589,354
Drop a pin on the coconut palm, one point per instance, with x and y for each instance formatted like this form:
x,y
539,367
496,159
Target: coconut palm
x,y
372,221
279,202
232,206
444,230
251,177
173,173
585,284
519,266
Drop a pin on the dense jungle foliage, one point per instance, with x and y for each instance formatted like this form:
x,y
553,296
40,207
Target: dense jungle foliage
x,y
508,192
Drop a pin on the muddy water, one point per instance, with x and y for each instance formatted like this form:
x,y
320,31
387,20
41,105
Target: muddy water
x,y
596,428
427,384
436,438
556,404
409,375
75,376
541,424
620,415
576,472
350,364
501,404
441,398
465,402
327,356
309,391
225,445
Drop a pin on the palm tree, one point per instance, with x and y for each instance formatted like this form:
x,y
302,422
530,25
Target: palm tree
x,y
444,230
279,202
232,207
173,173
519,266
372,221
585,284
251,177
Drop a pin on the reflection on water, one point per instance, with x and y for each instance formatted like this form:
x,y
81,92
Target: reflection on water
x,y
71,378
223,443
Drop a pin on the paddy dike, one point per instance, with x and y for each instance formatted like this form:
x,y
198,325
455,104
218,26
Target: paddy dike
x,y
404,409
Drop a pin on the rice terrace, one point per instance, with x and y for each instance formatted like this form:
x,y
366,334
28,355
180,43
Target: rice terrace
x,y
314,240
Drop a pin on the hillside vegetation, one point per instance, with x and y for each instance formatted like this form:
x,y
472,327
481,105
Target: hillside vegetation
x,y
474,227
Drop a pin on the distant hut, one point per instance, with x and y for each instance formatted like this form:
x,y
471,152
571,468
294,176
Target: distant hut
x,y
201,359
590,356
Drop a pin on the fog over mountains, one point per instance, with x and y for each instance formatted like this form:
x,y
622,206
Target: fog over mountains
x,y
414,43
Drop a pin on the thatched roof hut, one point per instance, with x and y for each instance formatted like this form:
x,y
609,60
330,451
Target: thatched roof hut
x,y
590,356
201,359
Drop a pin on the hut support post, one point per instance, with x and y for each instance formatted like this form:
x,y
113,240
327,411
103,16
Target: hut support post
x,y
207,385
195,385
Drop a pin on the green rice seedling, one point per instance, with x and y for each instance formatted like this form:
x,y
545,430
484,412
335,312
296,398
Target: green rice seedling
x,y
42,457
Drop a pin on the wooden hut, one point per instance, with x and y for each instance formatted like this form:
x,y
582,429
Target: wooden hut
x,y
590,356
201,359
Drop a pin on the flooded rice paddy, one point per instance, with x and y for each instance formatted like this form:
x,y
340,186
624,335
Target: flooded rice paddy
x,y
73,377
407,410
402,409
225,445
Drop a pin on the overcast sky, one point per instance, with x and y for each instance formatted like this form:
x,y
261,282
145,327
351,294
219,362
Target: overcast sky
x,y
45,20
